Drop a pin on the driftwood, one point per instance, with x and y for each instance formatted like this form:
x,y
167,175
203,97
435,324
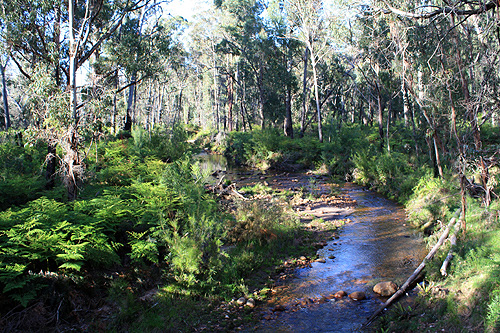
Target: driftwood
x,y
453,242
415,274
221,189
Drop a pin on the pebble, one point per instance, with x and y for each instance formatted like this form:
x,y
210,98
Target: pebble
x,y
241,301
320,260
340,294
279,308
250,303
357,296
386,288
323,300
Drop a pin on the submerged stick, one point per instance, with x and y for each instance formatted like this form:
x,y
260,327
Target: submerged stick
x,y
419,269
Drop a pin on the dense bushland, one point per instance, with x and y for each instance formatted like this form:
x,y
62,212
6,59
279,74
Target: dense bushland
x,y
467,298
350,152
143,220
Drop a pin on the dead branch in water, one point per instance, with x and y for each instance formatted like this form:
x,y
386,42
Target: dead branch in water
x,y
415,274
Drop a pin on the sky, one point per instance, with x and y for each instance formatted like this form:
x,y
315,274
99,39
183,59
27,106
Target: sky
x,y
187,8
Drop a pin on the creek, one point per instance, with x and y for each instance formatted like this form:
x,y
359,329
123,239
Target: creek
x,y
376,245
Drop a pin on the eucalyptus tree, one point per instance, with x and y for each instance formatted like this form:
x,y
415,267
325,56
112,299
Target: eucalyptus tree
x,y
36,39
463,67
141,50
3,67
245,36
309,27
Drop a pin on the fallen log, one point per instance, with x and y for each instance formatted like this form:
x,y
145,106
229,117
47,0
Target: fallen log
x,y
415,274
453,242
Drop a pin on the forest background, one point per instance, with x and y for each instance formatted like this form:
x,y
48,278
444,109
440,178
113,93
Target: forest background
x,y
97,173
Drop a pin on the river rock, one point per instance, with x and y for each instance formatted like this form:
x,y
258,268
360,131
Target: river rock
x,y
320,260
279,308
250,303
323,300
241,301
340,294
305,302
331,257
357,296
386,288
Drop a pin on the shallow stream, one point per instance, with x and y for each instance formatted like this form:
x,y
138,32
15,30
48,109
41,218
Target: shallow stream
x,y
375,246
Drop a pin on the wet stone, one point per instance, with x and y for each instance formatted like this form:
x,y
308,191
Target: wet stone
x,y
320,260
250,303
279,308
323,300
357,296
306,302
340,294
331,257
386,288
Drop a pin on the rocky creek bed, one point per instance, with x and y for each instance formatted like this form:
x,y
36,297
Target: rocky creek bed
x,y
332,291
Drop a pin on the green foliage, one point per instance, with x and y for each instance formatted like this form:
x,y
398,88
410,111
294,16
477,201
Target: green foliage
x,y
20,173
391,174
433,199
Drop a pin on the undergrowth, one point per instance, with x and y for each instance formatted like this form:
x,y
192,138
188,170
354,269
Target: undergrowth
x,y
143,222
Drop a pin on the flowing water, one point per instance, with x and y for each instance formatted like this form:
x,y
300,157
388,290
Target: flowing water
x,y
375,246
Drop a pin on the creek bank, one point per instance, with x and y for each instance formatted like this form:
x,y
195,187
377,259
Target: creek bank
x,y
312,198
375,246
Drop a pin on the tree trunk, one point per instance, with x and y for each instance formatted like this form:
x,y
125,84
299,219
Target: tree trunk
x,y
5,96
261,96
72,165
406,103
387,132
304,95
50,169
288,126
130,105
380,118
316,95
230,102
435,140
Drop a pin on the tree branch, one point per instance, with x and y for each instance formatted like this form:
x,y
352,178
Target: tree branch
x,y
442,10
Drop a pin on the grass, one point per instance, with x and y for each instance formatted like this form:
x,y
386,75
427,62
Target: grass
x,y
468,299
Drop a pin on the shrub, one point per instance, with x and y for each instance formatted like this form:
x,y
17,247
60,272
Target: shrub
x,y
433,199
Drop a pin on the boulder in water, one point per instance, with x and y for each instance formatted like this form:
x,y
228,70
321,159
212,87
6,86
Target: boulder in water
x,y
357,296
340,294
386,288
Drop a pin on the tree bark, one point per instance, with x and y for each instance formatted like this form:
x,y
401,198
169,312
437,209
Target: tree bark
x,y
72,164
288,126
380,118
304,95
260,84
316,95
5,96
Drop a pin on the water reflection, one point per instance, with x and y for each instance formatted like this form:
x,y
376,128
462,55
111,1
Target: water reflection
x,y
376,246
